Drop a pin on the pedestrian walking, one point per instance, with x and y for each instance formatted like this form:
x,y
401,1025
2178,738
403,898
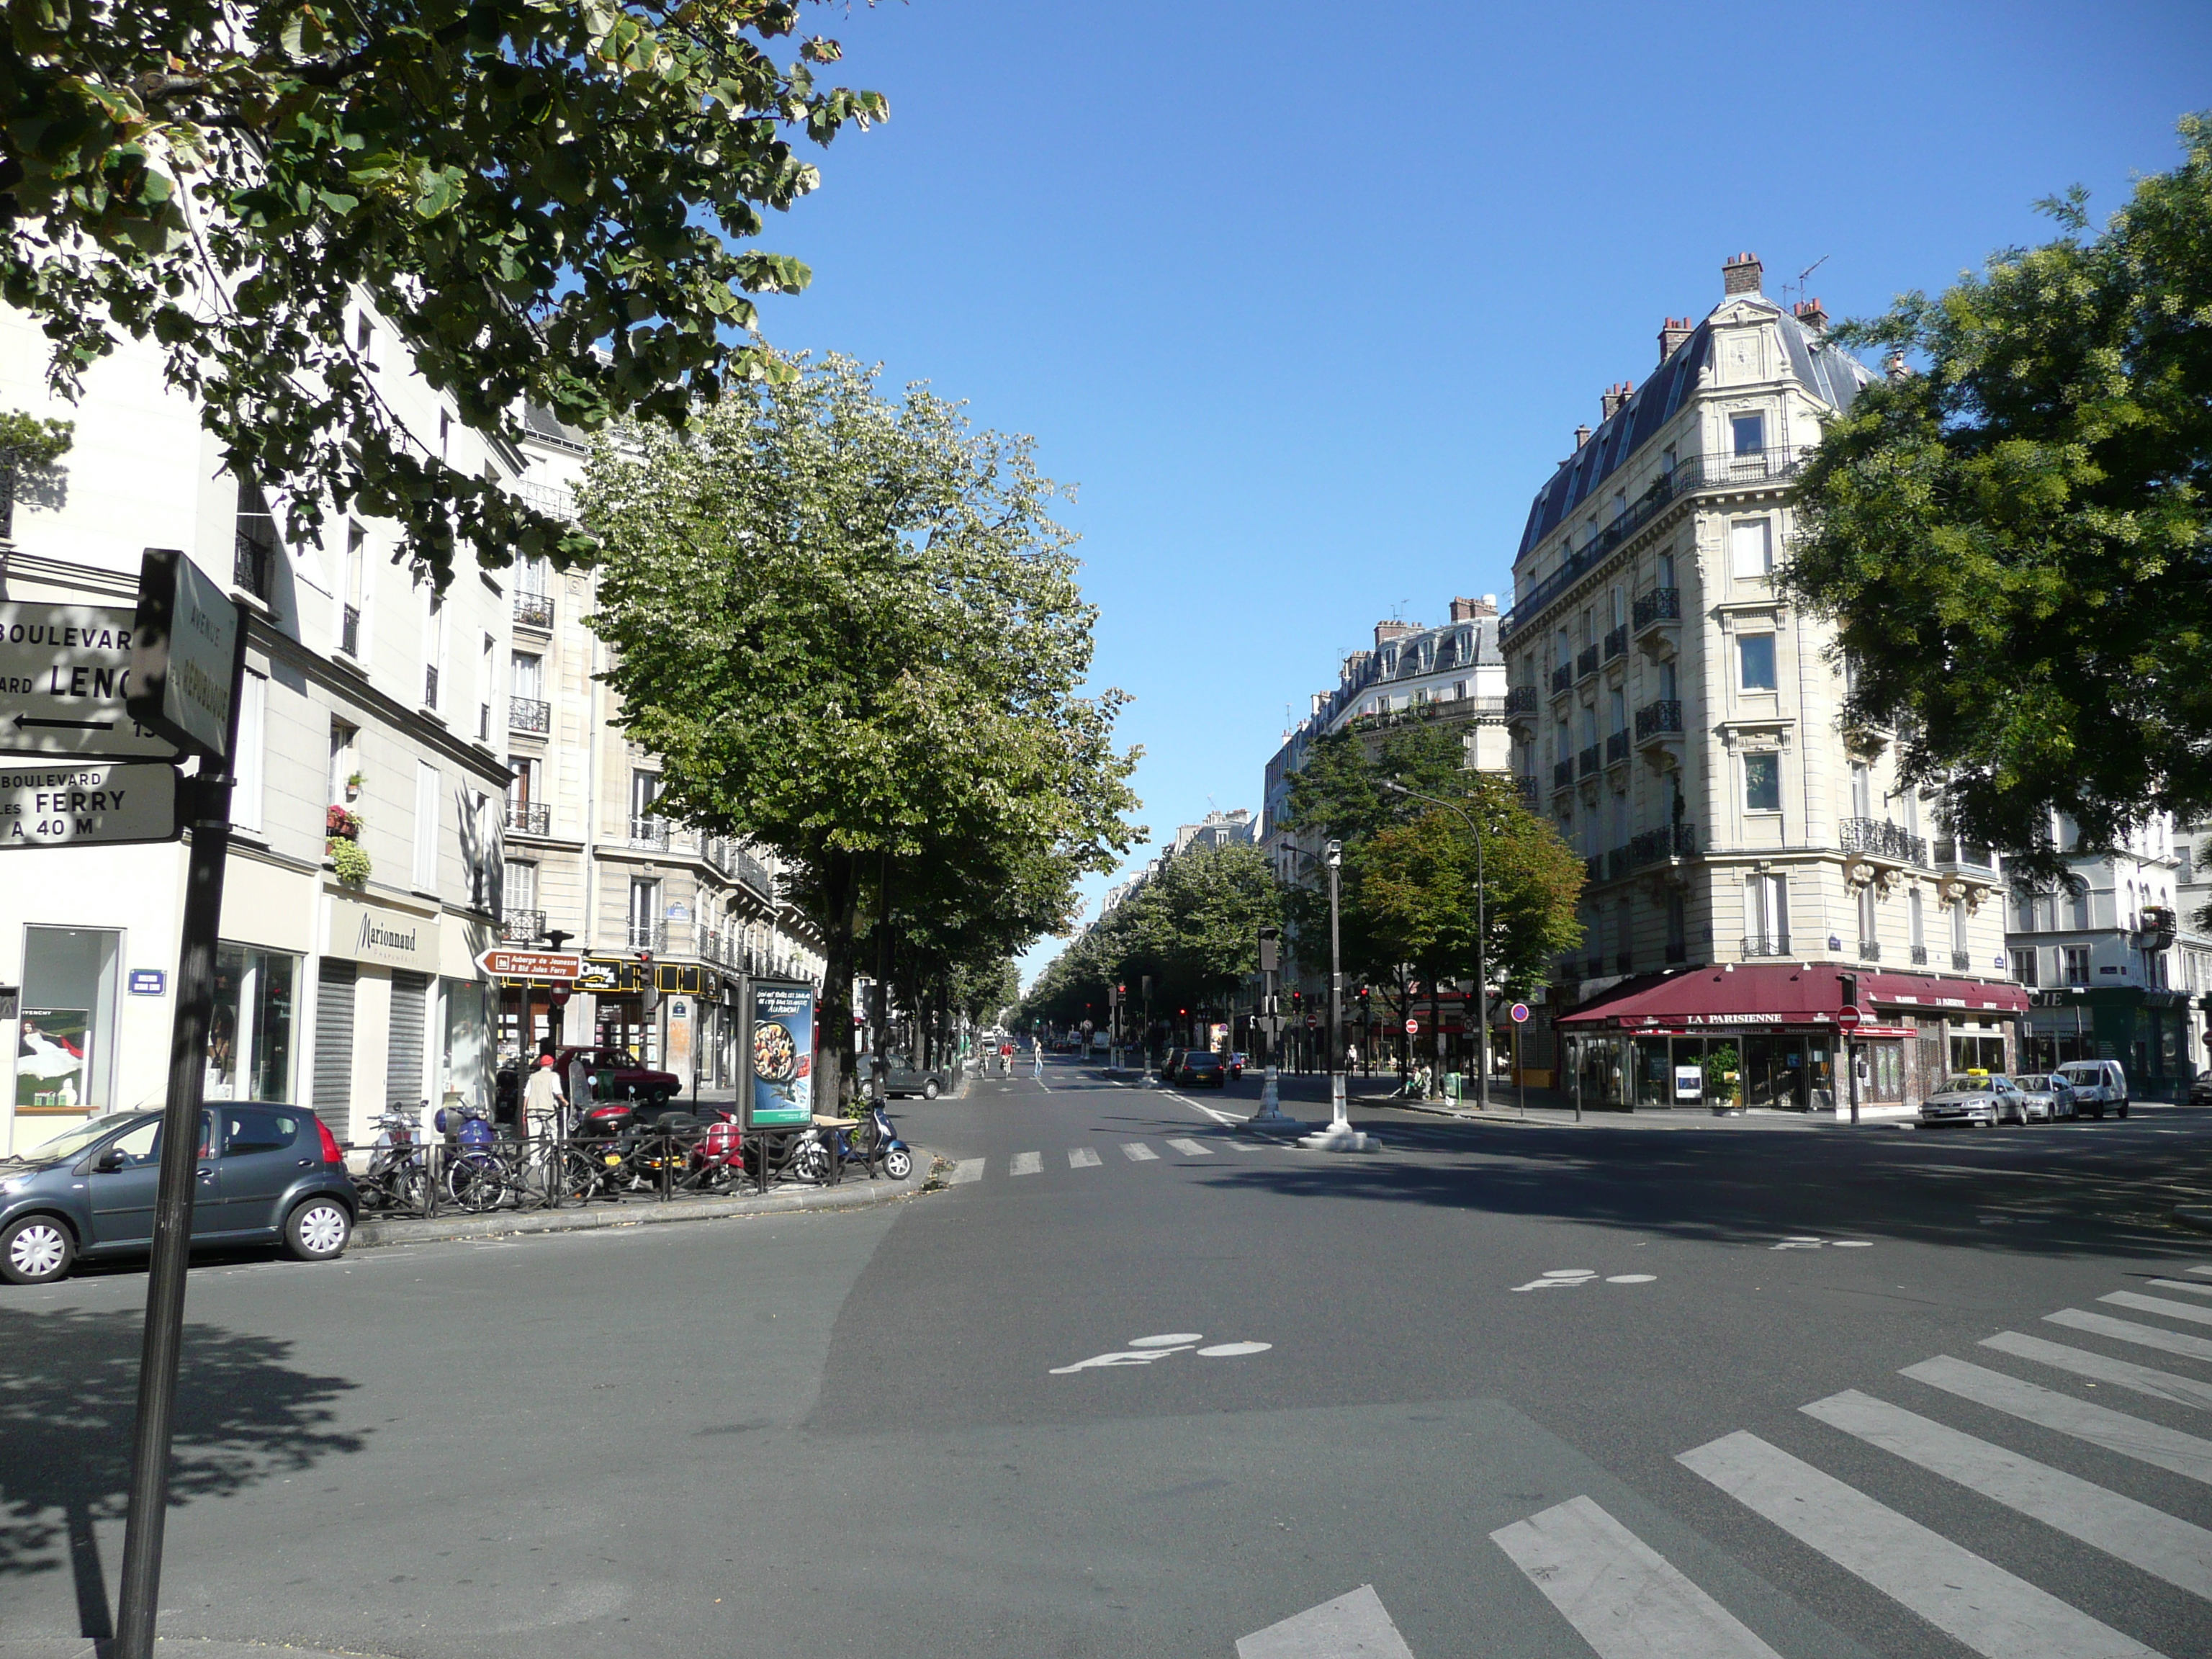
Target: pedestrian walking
x,y
1036,1059
1351,1057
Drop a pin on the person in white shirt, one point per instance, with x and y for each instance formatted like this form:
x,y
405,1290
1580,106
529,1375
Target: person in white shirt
x,y
544,1093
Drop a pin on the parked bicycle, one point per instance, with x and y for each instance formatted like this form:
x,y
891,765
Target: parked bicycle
x,y
399,1173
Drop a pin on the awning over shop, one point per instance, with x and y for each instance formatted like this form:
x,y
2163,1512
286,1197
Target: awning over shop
x,y
1778,994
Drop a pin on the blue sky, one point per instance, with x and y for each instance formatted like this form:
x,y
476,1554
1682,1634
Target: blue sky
x,y
1309,302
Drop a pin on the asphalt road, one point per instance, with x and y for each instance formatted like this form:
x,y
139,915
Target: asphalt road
x,y
876,1433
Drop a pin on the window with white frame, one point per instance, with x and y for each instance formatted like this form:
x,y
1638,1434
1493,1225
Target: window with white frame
x,y
1918,923
2075,961
1869,922
1766,915
2024,967
1754,655
249,767
1749,432
1751,547
1762,782
426,827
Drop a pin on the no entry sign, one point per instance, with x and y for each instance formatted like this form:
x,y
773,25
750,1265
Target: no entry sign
x,y
1848,1017
1412,1028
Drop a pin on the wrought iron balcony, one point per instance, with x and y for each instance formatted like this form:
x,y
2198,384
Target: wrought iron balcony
x,y
1527,789
521,927
529,715
1521,699
1880,839
1954,854
1562,774
530,818
1919,954
1594,867
1562,677
1616,748
1660,604
430,685
1674,841
350,631
534,609
1587,762
1766,944
1616,642
1586,662
651,830
1870,950
648,936
1960,961
254,555
1659,719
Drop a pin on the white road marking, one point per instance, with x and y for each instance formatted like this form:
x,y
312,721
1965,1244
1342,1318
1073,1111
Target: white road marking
x,y
2116,1432
1191,1149
1027,1164
1356,1623
2159,1385
2173,1549
2126,1330
1218,1117
1172,1340
1233,1349
2181,1285
1620,1593
2206,1270
1974,1600
1082,1158
1126,1357
1629,1279
1137,1152
967,1170
2159,1306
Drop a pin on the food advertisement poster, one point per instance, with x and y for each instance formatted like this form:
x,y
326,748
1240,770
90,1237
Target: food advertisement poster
x,y
783,1053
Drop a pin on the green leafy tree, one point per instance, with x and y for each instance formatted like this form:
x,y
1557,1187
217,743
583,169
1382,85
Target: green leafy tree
x,y
2014,541
551,195
851,630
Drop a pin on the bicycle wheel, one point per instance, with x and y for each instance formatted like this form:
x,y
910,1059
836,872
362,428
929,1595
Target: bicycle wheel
x,y
810,1160
578,1176
476,1184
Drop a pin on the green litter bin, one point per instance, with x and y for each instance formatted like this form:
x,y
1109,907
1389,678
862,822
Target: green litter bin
x,y
1454,1086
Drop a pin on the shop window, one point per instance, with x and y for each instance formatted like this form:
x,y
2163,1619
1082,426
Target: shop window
x,y
65,1028
250,1038
1973,1052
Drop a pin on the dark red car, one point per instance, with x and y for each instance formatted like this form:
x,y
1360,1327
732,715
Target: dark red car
x,y
618,1076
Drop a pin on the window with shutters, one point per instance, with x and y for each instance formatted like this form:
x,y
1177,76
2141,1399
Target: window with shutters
x,y
426,827
1751,547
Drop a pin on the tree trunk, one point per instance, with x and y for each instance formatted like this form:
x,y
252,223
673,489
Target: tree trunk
x,y
833,1033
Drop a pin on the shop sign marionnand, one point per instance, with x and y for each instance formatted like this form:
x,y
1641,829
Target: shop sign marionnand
x,y
362,932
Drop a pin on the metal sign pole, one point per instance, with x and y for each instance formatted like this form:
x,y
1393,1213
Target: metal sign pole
x,y
209,815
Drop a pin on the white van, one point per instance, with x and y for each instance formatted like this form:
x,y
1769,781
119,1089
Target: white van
x,y
2099,1086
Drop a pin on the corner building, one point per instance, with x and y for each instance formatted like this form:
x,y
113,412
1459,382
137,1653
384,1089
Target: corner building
x,y
1681,724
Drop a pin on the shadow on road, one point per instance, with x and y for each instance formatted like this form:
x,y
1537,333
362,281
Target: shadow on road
x,y
69,1387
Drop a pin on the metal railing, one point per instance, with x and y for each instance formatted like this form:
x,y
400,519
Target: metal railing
x,y
1660,604
1562,677
1673,840
648,935
1919,954
1616,642
1870,950
1616,748
1963,856
1586,662
1659,719
1527,789
251,559
1882,840
1562,774
1594,867
534,609
1588,762
1960,961
735,862
650,830
529,715
520,927
530,818
350,631
1766,944
1521,699
430,685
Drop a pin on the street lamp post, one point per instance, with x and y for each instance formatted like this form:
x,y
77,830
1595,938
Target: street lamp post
x,y
1482,940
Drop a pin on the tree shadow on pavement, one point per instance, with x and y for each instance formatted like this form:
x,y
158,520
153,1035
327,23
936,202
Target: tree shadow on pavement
x,y
1736,1188
69,1391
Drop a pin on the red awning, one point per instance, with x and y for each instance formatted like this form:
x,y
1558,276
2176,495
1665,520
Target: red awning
x,y
1779,994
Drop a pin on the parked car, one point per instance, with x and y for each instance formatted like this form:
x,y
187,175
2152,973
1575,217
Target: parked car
x,y
904,1080
1981,1098
2047,1097
2099,1086
266,1173
618,1076
2200,1089
1201,1067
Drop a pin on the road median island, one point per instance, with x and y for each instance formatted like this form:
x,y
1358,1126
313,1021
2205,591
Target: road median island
x,y
855,1192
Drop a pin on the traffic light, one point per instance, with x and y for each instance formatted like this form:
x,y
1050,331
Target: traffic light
x,y
1363,998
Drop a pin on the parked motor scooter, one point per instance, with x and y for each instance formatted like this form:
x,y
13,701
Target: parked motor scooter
x,y
894,1154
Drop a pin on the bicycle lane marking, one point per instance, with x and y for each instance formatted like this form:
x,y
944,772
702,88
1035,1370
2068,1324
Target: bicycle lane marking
x,y
1218,1117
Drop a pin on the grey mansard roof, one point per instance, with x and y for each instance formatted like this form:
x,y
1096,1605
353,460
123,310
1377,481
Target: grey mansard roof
x,y
1833,375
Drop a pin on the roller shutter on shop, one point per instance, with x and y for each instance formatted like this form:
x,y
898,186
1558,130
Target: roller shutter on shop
x,y
403,1065
333,1099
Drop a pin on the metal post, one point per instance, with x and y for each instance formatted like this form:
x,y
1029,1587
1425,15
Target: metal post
x,y
161,1351
1851,1060
1338,1119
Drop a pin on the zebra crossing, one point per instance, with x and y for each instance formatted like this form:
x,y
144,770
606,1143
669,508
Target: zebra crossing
x,y
967,1170
1627,1602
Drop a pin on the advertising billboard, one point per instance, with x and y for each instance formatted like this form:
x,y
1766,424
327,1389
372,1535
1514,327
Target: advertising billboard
x,y
780,1088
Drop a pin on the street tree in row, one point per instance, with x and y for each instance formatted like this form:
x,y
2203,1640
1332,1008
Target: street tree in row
x,y
550,197
2014,541
851,630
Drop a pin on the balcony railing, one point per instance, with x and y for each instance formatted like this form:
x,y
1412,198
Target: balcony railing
x,y
1766,944
350,631
648,831
534,609
648,936
529,715
1521,699
1616,748
253,555
1562,774
1586,662
530,818
1959,854
1660,604
1919,954
430,685
1562,677
1659,719
1882,840
1594,866
1960,961
1528,790
1870,950
521,927
1588,762
1674,841
1616,642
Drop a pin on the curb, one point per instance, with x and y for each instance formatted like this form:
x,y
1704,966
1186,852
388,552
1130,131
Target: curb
x,y
852,1194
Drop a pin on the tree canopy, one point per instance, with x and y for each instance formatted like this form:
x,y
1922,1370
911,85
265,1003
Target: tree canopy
x,y
2014,541
852,631
548,195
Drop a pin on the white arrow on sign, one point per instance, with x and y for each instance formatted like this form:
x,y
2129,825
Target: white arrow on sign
x,y
87,803
64,670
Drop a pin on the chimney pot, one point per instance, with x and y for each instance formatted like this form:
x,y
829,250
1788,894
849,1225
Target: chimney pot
x,y
1616,395
1675,330
1741,274
1582,436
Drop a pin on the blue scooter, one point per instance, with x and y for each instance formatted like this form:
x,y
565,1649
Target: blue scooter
x,y
894,1154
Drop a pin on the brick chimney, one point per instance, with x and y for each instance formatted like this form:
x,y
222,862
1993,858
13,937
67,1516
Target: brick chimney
x,y
1615,396
1741,274
1582,436
1812,314
1465,610
1674,336
1386,631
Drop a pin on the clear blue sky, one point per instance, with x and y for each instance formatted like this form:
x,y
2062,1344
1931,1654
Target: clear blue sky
x,y
1308,300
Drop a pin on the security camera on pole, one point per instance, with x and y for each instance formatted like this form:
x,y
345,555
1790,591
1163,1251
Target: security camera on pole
x,y
1340,1136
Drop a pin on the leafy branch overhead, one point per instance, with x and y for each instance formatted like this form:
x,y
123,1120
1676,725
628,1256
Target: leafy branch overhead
x,y
553,195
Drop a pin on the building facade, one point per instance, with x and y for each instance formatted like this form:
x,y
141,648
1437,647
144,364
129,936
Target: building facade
x,y
1681,723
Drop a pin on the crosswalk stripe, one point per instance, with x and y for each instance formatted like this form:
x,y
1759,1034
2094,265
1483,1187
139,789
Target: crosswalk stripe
x,y
2207,1272
1976,1601
1191,1149
2126,1330
1082,1158
1027,1164
2181,1285
2159,1385
967,1170
1620,1593
2116,1432
1137,1152
2174,1550
2159,1306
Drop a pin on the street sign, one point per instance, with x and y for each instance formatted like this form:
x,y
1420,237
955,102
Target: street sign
x,y
88,803
64,672
150,981
559,965
1848,1017
1520,1012
182,648
1412,1028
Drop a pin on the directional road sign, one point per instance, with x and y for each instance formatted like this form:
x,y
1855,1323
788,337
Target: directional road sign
x,y
64,670
558,965
86,803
